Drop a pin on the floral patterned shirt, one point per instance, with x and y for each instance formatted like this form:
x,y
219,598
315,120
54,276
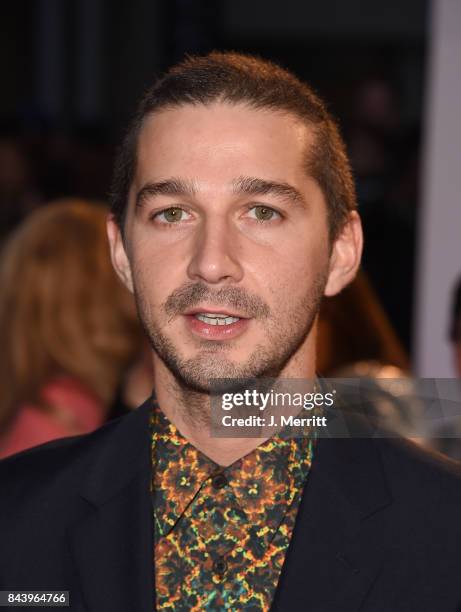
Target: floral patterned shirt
x,y
221,533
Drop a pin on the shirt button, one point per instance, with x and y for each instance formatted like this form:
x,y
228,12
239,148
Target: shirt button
x,y
220,566
219,481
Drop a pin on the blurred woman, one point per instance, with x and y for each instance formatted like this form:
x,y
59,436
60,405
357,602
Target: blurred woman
x,y
354,329
68,327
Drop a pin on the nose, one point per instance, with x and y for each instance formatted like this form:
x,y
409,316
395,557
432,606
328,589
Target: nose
x,y
215,257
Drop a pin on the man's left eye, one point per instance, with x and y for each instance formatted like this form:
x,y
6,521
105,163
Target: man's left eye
x,y
263,213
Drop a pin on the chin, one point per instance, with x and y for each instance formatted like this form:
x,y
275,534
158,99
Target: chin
x,y
202,369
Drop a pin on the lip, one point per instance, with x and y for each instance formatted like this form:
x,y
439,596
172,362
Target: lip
x,y
219,311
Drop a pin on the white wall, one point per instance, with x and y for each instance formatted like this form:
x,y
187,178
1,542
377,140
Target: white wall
x,y
439,245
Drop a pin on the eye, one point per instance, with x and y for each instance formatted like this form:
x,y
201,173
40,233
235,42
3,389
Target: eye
x,y
171,215
263,213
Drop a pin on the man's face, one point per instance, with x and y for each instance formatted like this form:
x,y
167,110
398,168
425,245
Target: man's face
x,y
226,241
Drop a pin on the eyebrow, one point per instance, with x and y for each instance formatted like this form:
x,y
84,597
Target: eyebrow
x,y
172,187
243,185
255,186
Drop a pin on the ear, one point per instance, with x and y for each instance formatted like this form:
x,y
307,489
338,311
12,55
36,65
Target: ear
x,y
118,254
345,255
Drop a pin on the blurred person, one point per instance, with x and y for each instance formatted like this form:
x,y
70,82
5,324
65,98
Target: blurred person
x,y
135,385
383,154
68,326
233,215
18,195
356,340
374,124
447,438
455,328
353,327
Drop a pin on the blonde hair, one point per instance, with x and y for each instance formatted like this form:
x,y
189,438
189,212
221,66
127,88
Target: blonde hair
x,y
62,308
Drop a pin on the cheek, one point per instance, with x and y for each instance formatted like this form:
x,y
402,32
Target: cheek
x,y
155,274
289,272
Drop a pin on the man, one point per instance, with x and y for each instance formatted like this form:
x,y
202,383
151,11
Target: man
x,y
447,437
233,215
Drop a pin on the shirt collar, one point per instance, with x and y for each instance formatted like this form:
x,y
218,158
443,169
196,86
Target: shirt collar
x,y
265,481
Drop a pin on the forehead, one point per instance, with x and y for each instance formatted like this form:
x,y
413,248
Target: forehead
x,y
222,141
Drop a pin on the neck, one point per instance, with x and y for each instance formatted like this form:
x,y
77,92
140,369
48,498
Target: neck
x,y
189,410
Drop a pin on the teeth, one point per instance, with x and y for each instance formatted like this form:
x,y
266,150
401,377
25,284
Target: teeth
x,y
216,319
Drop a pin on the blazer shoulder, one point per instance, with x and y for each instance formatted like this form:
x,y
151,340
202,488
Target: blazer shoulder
x,y
420,474
52,462
54,484
70,456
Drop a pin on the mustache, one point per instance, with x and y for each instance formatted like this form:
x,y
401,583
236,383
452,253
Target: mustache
x,y
192,294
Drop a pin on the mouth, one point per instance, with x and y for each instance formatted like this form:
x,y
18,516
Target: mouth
x,y
216,319
211,324
214,316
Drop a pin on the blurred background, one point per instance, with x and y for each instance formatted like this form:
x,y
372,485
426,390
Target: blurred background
x,y
73,71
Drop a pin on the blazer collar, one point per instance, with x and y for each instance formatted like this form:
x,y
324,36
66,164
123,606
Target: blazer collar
x,y
122,451
112,543
335,554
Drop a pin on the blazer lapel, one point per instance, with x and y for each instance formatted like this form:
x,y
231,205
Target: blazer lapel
x,y
332,561
112,543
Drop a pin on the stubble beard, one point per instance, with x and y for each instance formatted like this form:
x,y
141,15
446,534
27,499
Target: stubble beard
x,y
192,376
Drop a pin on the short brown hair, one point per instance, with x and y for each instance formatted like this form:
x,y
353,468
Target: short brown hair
x,y
235,78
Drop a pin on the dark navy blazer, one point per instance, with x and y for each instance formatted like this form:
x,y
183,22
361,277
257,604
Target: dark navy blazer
x,y
378,528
